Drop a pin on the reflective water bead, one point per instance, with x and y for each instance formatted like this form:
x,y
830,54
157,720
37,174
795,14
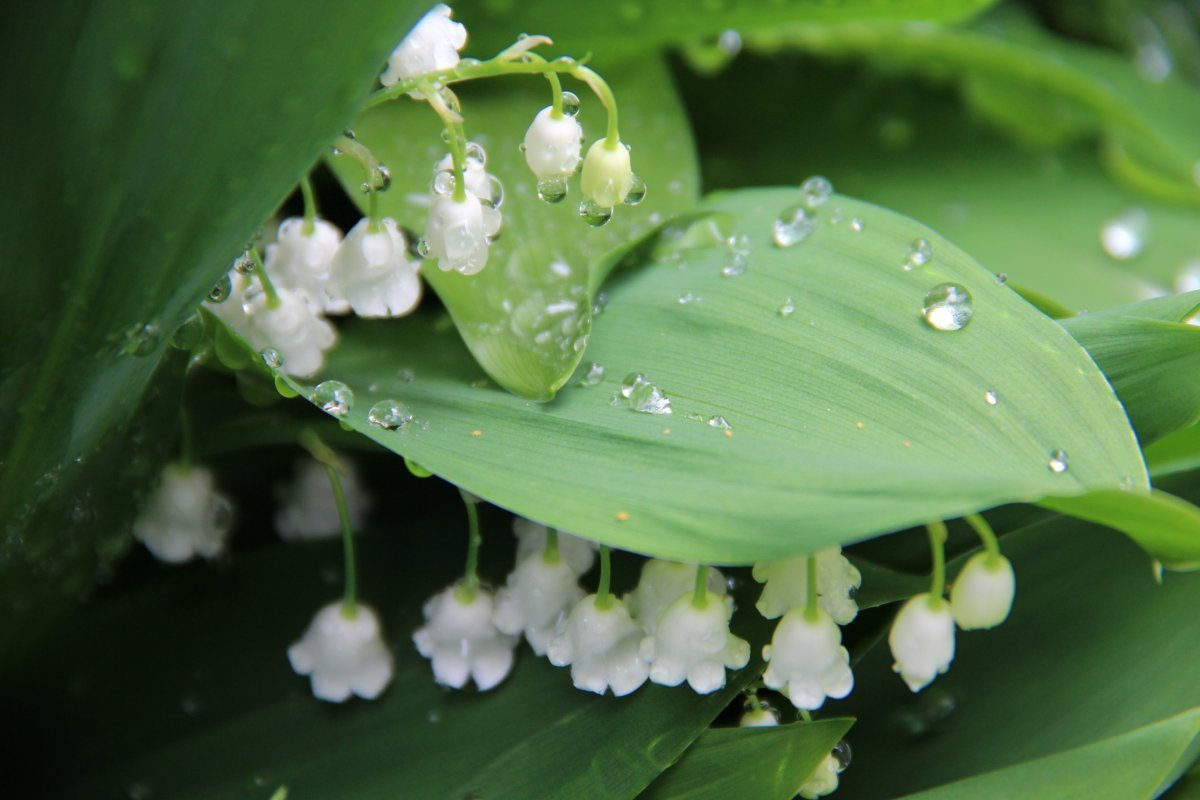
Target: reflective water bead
x,y
443,182
1001,278
497,188
687,298
593,214
792,227
788,308
1124,236
333,397
423,248
842,755
643,396
221,290
858,224
390,415
991,398
140,339
1059,462
272,358
730,42
570,104
816,191
637,191
593,376
474,152
244,263
719,422
919,253
552,190
948,307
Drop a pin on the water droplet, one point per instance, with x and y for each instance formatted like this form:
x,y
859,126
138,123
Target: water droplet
x,y
719,422
1058,463
593,214
1124,236
739,251
919,254
383,177
333,397
688,297
140,339
842,755
570,104
858,224
730,42
272,358
600,303
787,309
792,227
642,395
188,335
816,191
1001,278
221,290
948,307
552,190
475,154
406,375
593,376
390,415
637,191
991,398
496,187
244,263
424,250
443,182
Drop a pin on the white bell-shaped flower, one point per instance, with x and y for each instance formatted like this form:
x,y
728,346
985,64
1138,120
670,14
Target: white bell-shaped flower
x,y
602,647
982,594
458,232
662,583
922,640
307,508
553,145
343,653
761,717
293,328
301,261
537,595
787,585
372,271
579,554
806,660
693,643
185,516
432,45
462,642
607,174
478,180
824,779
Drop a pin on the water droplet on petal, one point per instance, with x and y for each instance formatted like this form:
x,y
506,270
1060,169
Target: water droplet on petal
x,y
221,290
792,227
593,376
919,254
390,415
637,191
475,154
787,309
991,398
570,104
1124,236
272,358
552,190
948,307
593,214
1059,462
816,191
334,398
443,182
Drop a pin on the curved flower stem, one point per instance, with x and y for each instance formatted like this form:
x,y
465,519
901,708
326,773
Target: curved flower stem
x,y
986,534
310,206
550,556
470,583
556,100
810,606
334,468
264,279
456,135
937,542
604,598
601,89
356,150
700,592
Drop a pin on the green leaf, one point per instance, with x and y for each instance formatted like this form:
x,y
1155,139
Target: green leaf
x,y
850,417
148,157
193,665
1179,452
1086,678
763,763
1145,352
1166,526
527,316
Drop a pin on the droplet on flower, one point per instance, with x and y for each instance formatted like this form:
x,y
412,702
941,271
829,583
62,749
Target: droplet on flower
x,y
390,415
334,398
221,290
475,154
1059,462
593,214
948,307
552,190
272,358
919,253
637,191
816,191
1124,236
792,227
788,308
593,376
424,250
244,263
643,396
443,182
570,104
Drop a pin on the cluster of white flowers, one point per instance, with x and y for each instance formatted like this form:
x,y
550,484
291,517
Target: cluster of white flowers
x,y
185,516
307,508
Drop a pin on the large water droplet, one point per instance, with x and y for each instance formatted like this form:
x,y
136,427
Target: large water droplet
x,y
443,182
1124,236
919,254
1059,462
593,214
788,308
244,263
570,104
816,191
272,358
948,307
552,190
333,397
475,154
842,755
792,227
642,395
637,192
593,376
221,290
140,339
391,415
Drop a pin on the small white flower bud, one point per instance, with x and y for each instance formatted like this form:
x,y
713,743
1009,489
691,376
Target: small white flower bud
x,y
301,261
607,174
458,231
293,327
553,145
372,273
432,45
307,508
982,594
922,640
185,517
602,647
694,644
806,660
343,655
461,641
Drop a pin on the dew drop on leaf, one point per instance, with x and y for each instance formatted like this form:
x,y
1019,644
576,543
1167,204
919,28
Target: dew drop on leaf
x,y
948,307
334,398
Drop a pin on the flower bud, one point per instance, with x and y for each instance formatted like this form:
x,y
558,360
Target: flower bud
x,y
457,233
607,174
431,45
982,594
922,640
552,145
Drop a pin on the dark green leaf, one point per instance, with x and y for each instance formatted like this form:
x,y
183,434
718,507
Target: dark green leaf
x,y
1166,526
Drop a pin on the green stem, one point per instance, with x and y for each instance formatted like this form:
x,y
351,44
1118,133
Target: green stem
x,y
310,206
350,596
937,542
805,715
491,68
373,220
604,598
601,89
456,135
811,608
550,556
470,583
986,534
700,592
264,279
556,99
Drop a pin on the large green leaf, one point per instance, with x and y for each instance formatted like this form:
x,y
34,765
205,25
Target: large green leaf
x,y
527,317
1088,681
182,686
153,139
762,763
849,417
1165,525
1146,354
